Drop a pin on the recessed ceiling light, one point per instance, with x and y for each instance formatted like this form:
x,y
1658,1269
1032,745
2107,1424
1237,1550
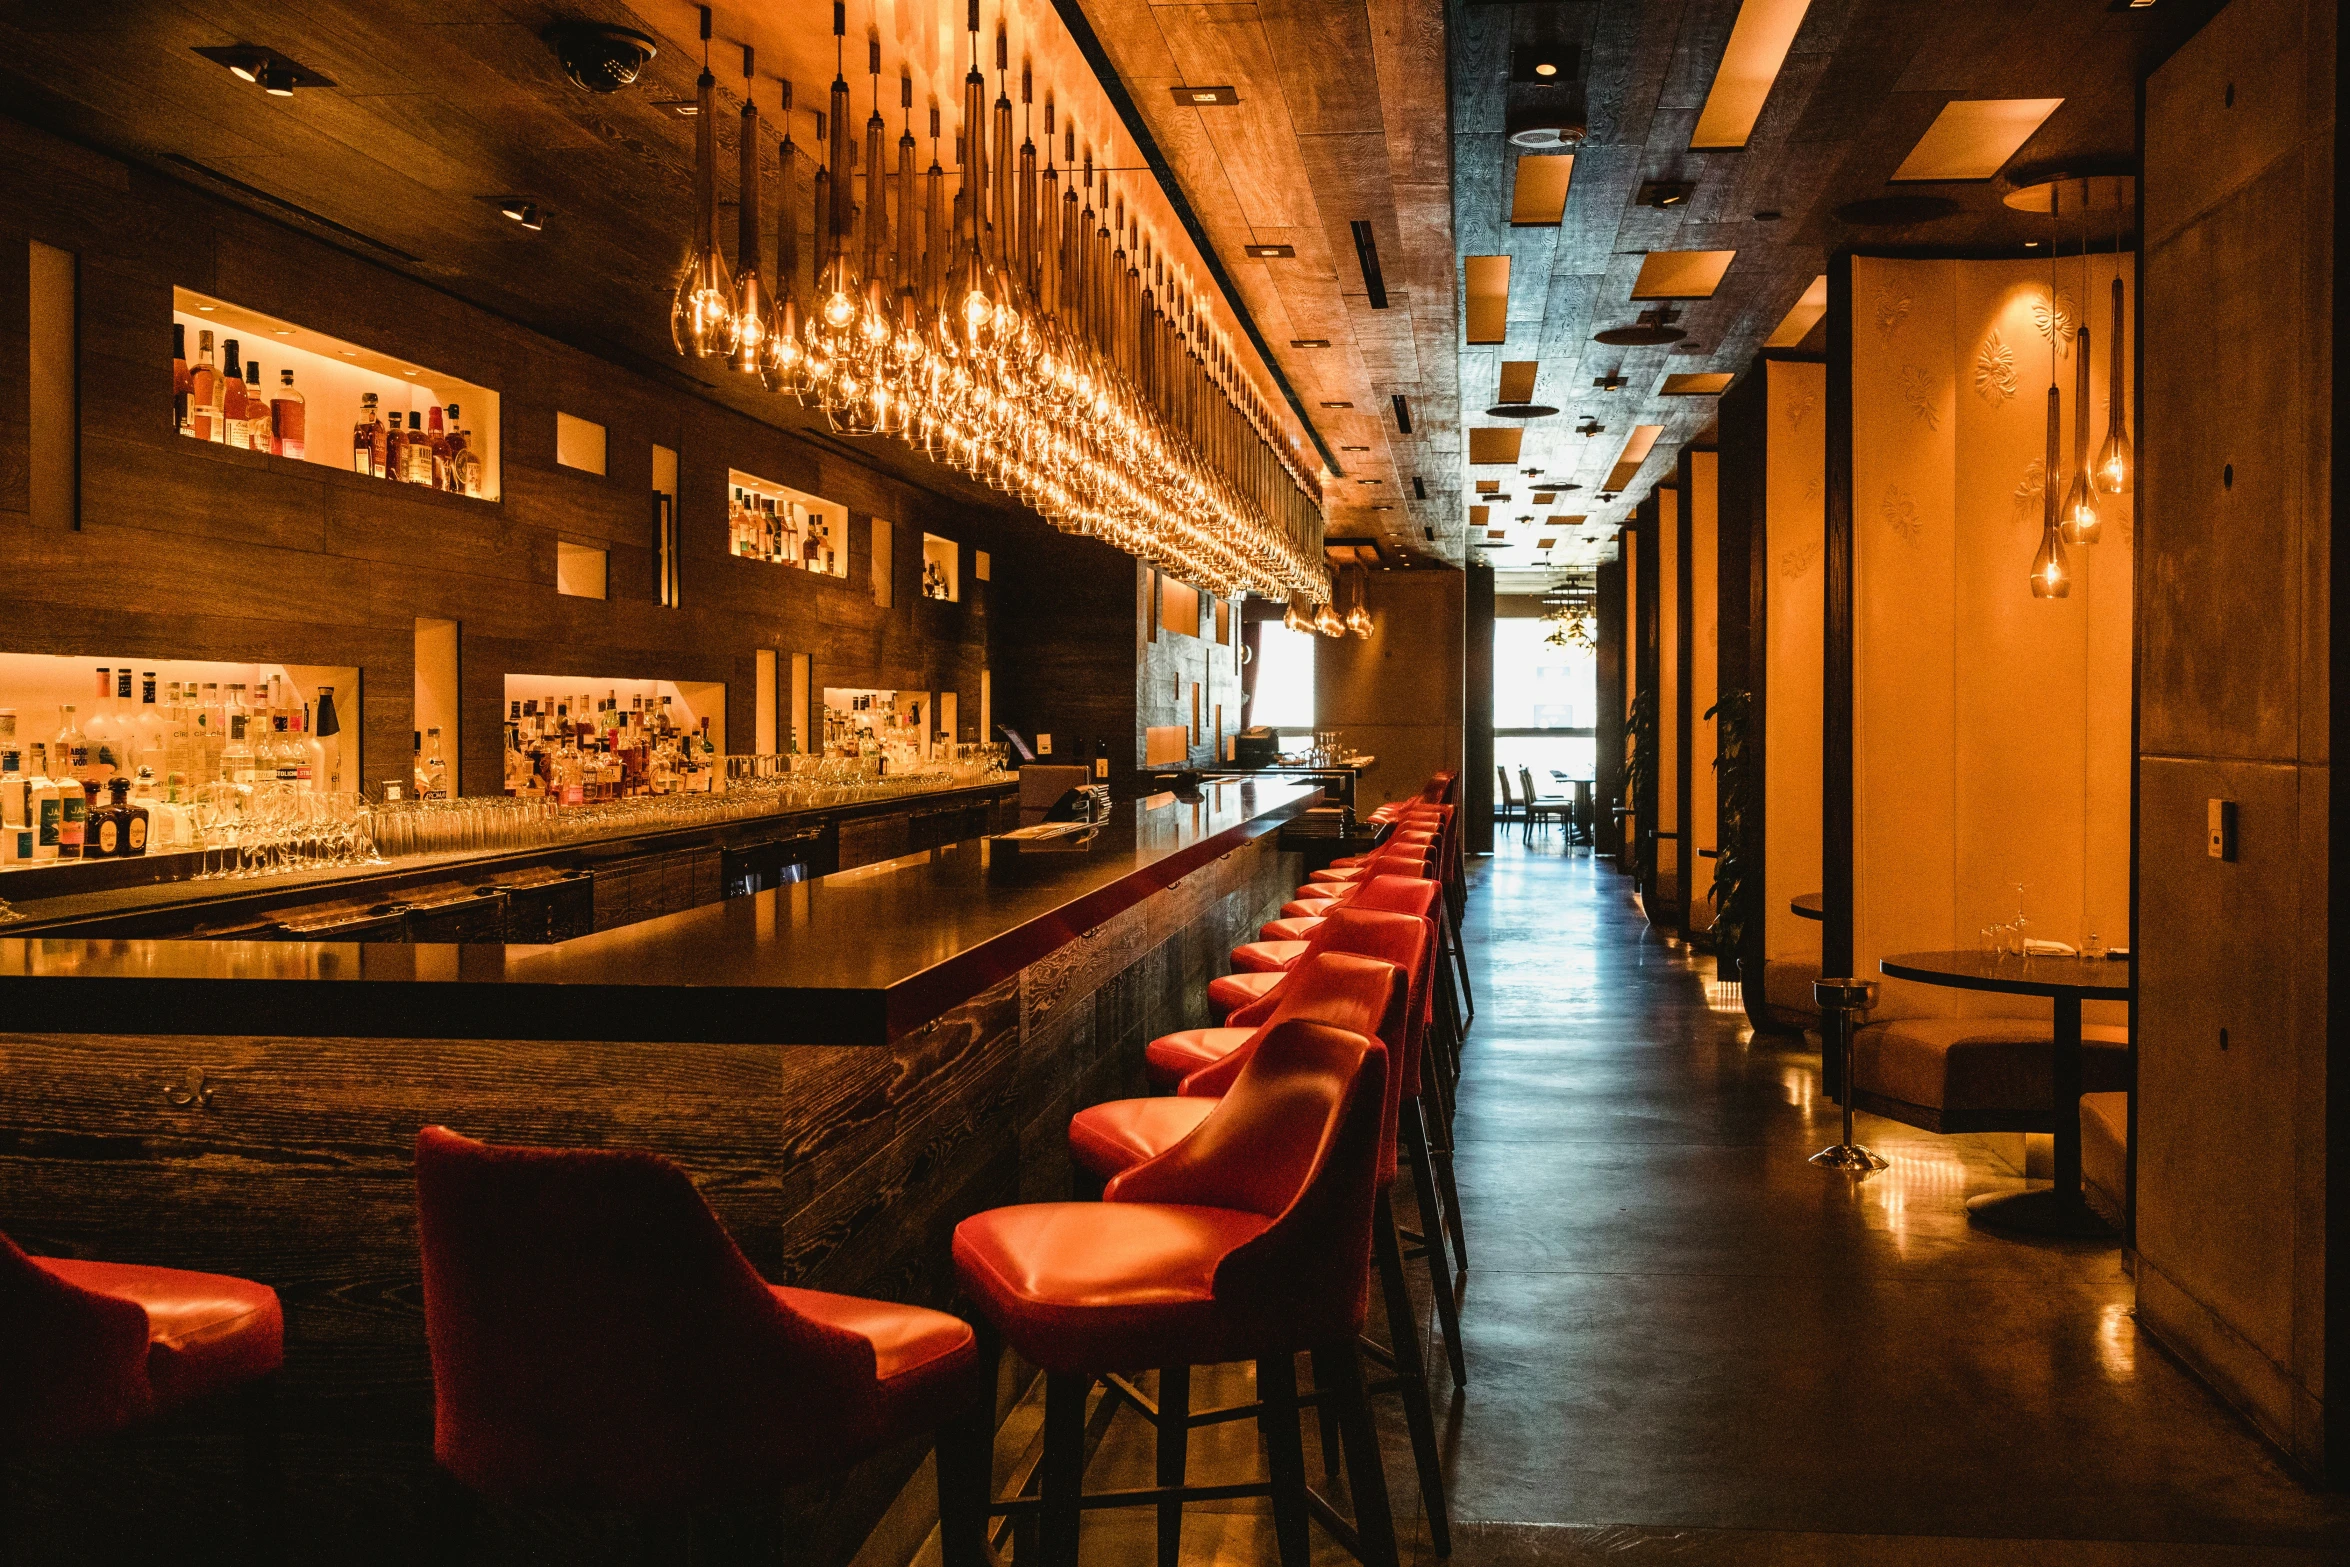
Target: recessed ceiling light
x,y
1370,481
1338,405
1796,325
2031,244
273,72
282,331
1972,137
408,372
1309,342
1383,508
207,309
1271,252
683,108
1610,382
1750,64
1538,190
1767,215
1495,445
523,211
1354,448
1207,95
1681,274
1664,193
1488,290
1546,69
348,353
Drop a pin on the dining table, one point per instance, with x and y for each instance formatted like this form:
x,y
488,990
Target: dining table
x,y
2066,980
1807,906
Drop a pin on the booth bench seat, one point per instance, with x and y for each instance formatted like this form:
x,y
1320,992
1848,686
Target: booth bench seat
x,y
1976,1074
1787,997
2105,1135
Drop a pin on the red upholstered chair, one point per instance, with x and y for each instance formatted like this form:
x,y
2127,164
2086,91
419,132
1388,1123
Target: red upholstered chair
x,y
1342,985
1259,965
1248,1240
95,1347
598,1340
1315,898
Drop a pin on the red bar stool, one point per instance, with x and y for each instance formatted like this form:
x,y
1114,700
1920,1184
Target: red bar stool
x,y
598,1340
1248,1240
1342,982
96,1347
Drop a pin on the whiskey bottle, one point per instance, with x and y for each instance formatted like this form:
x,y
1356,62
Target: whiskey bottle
x,y
392,449
432,774
204,392
465,456
416,467
117,829
259,434
103,731
231,406
367,438
289,418
179,377
150,737
436,441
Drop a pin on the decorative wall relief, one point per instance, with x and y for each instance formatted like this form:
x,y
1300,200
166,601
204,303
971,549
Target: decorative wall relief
x,y
1900,514
1795,562
1799,408
2027,493
1817,489
2054,319
1994,370
1917,390
1892,310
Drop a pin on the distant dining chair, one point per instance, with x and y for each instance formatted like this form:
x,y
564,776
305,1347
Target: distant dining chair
x,y
1509,807
1541,809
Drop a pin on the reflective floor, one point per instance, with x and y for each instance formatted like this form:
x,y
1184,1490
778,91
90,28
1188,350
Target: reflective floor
x,y
1683,1341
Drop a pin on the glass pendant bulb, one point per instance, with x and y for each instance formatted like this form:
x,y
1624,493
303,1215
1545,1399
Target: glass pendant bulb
x,y
1292,618
2078,520
702,309
1326,621
2113,458
2051,575
751,313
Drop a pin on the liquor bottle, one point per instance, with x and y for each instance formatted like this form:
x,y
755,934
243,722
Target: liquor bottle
x,y
811,553
180,378
183,747
260,434
231,406
417,466
215,729
69,756
103,731
117,829
284,750
1101,761
44,806
149,736
364,434
465,456
19,835
204,391
436,440
326,748
289,418
392,450
432,773
236,754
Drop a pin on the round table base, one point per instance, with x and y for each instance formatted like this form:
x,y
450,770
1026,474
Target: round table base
x,y
1848,1156
2040,1212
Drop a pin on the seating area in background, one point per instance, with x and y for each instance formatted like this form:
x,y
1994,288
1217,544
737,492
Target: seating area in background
x,y
599,1341
1530,809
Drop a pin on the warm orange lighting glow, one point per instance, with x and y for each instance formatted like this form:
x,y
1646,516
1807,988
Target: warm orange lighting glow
x,y
1750,64
1972,137
1487,287
1796,325
1538,192
1681,274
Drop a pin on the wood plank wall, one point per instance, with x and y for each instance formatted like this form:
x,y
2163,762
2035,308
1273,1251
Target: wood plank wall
x,y
200,551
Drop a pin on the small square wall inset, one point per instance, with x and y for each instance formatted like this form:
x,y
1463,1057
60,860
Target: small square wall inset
x,y
579,443
581,570
942,571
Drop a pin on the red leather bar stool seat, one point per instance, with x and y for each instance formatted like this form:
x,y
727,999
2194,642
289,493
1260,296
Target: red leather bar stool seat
x,y
1248,1239
598,1340
1265,957
1170,1058
1121,1133
99,1346
1259,965
1417,836
1350,994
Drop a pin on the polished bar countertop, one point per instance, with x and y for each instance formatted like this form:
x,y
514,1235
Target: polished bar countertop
x,y
860,957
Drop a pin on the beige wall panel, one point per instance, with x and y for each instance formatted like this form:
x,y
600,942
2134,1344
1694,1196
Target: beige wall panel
x,y
1704,675
1795,586
1401,693
1668,684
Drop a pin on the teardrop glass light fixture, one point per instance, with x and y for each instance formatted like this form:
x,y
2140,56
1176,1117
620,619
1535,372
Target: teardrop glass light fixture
x,y
1294,618
2078,522
702,309
2051,576
753,310
1326,621
1358,619
2113,458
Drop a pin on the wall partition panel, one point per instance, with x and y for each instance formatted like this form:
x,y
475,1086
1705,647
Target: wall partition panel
x,y
1700,684
1794,596
1990,729
1609,657
1664,906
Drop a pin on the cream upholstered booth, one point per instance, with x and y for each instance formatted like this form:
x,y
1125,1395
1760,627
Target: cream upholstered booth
x,y
1990,729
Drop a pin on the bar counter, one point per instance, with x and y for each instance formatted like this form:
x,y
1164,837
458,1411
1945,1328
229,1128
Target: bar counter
x,y
846,1066
860,957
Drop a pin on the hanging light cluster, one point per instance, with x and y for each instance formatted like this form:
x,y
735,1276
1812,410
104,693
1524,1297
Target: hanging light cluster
x,y
2076,520
1021,330
1572,616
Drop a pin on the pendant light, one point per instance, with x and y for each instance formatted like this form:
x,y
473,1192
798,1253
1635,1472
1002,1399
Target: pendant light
x,y
785,365
2051,576
754,306
701,311
2113,458
2078,522
1294,618
1358,619
1326,621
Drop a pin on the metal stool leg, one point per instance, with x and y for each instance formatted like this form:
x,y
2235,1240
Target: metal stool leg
x,y
1840,1001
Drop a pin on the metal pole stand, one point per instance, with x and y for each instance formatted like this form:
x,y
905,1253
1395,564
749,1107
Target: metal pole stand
x,y
1840,1001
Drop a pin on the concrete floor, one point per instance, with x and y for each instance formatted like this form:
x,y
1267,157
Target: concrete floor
x,y
1685,1342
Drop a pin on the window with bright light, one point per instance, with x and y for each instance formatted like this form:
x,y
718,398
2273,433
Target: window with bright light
x,y
1285,680
1545,704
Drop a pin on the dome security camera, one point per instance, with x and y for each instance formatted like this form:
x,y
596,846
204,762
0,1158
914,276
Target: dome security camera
x,y
600,57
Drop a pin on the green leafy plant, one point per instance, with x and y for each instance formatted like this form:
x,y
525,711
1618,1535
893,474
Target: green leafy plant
x,y
1736,778
1639,747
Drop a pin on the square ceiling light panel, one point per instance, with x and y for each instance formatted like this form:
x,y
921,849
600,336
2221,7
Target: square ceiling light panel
x,y
1479,516
1681,274
1490,446
1486,282
1538,195
1517,380
1797,323
1750,64
1635,453
1972,138
1488,486
1704,383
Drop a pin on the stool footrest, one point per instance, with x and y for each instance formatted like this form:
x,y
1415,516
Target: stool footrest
x,y
1013,1506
